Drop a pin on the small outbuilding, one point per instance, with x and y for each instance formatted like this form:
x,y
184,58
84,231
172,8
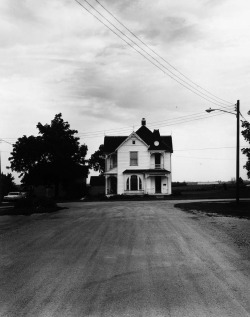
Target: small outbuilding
x,y
97,185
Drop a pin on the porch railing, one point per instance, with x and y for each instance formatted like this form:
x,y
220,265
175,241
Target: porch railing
x,y
156,166
134,192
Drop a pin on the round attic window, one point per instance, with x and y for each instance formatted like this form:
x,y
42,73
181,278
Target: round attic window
x,y
156,143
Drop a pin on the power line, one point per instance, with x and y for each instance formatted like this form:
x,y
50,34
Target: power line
x,y
199,117
207,158
209,148
5,141
121,133
196,90
244,117
154,124
153,51
162,123
180,81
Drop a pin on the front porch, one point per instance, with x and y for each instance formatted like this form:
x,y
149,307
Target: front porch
x,y
149,182
111,184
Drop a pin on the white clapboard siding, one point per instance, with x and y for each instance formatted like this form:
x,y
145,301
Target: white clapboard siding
x,y
123,160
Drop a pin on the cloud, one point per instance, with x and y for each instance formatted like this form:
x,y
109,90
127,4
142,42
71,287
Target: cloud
x,y
121,5
19,11
215,3
172,30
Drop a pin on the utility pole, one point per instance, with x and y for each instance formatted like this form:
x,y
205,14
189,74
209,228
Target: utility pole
x,y
237,109
0,180
238,153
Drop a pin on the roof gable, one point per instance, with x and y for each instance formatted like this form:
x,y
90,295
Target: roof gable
x,y
145,134
132,135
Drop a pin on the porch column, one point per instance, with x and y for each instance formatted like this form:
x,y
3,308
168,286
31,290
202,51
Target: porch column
x,y
106,185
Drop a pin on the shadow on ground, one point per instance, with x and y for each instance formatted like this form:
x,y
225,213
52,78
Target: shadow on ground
x,y
12,211
219,208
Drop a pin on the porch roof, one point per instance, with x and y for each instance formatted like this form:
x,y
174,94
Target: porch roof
x,y
160,171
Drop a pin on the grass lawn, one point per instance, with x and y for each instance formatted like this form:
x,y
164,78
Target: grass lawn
x,y
222,208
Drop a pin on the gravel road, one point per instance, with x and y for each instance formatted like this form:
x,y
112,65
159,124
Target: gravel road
x,y
124,259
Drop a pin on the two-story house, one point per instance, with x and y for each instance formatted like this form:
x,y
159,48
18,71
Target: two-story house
x,y
139,163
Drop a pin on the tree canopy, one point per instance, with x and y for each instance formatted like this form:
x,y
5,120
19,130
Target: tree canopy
x,y
246,151
97,160
55,156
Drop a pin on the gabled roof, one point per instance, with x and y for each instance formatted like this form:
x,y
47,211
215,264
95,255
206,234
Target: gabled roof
x,y
149,137
133,135
111,143
145,134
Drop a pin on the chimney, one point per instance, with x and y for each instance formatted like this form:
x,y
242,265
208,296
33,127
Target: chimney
x,y
143,121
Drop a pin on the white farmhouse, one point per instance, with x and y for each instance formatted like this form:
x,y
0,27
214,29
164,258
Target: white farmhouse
x,y
139,163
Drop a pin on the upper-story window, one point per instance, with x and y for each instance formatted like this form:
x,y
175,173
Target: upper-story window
x,y
133,158
113,161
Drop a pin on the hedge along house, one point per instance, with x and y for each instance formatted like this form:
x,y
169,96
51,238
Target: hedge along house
x,y
139,163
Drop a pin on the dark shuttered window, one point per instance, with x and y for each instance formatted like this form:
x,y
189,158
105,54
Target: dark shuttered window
x,y
133,158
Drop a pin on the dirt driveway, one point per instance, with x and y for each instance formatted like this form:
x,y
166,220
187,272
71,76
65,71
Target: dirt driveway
x,y
124,259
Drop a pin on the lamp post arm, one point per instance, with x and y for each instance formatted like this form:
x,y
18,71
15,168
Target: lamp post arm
x,y
210,110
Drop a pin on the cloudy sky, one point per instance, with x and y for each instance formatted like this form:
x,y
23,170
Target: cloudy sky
x,y
56,57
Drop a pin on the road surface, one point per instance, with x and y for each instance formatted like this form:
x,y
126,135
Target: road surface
x,y
122,259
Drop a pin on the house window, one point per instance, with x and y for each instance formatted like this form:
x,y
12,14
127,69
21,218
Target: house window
x,y
134,182
133,142
133,158
113,161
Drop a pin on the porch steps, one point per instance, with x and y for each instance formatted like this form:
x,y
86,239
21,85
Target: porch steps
x,y
159,196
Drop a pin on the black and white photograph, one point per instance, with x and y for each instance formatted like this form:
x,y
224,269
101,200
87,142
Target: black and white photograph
x,y
124,158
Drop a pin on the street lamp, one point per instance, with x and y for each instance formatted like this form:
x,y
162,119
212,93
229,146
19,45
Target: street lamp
x,y
237,145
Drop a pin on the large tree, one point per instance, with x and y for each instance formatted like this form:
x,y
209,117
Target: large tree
x,y
246,151
97,160
55,156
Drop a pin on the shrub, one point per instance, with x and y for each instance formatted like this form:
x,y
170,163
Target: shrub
x,y
36,204
176,192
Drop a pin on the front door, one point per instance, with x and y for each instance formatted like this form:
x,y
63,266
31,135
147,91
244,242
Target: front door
x,y
113,185
157,184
